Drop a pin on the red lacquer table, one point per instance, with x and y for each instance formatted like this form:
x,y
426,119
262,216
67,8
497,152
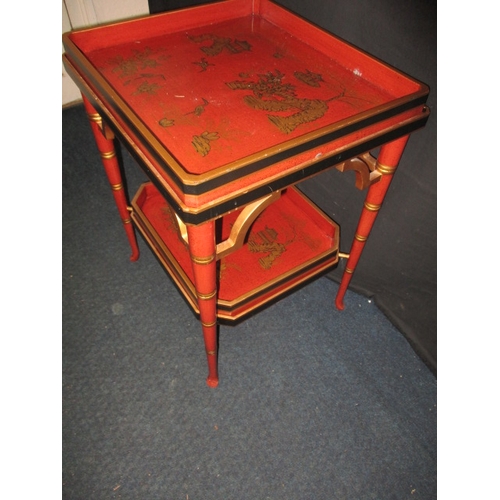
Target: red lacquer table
x,y
226,107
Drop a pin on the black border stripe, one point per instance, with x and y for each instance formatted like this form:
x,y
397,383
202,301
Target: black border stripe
x,y
216,211
223,179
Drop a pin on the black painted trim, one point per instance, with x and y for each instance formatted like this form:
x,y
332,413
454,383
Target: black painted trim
x,y
222,208
233,175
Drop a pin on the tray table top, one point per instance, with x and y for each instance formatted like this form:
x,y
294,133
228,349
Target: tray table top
x,y
226,97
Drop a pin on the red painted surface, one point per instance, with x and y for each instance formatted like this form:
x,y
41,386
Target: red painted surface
x,y
212,109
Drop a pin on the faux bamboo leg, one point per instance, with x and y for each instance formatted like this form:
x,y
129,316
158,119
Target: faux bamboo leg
x,y
387,162
112,169
203,258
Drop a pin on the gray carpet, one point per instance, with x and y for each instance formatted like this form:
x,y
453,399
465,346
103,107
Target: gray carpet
x,y
313,403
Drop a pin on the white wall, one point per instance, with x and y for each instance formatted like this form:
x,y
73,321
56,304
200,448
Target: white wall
x,y
83,13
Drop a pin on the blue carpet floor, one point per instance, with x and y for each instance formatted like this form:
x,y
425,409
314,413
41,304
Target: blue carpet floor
x,y
313,403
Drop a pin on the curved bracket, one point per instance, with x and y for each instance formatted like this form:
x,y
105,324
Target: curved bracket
x,y
364,167
240,227
242,224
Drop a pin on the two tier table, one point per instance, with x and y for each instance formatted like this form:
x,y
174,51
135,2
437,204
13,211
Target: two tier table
x,y
226,107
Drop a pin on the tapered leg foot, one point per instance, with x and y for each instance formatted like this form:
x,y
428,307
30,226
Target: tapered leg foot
x,y
212,382
339,302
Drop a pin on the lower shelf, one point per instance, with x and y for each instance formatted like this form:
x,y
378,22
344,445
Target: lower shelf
x,y
290,242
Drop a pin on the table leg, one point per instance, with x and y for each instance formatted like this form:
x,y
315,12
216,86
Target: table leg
x,y
203,258
387,162
112,169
